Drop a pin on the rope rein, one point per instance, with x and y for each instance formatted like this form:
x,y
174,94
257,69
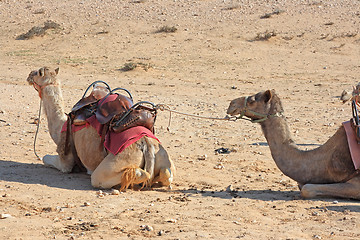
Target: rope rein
x,y
37,130
164,107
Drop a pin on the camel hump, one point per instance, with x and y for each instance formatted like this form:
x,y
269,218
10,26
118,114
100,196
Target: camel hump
x,y
112,105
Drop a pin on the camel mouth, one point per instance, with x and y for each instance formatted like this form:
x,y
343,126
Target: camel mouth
x,y
30,78
233,111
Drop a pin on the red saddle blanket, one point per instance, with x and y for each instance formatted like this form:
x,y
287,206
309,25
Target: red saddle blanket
x,y
114,142
354,147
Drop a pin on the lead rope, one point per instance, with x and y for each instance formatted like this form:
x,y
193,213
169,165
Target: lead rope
x,y
164,107
37,130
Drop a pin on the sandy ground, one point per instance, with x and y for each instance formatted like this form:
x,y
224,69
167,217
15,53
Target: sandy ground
x,y
309,51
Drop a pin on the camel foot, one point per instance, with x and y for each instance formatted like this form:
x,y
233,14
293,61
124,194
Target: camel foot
x,y
54,161
165,177
306,191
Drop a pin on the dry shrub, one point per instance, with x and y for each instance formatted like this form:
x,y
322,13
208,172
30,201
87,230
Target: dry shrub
x,y
166,29
264,36
38,31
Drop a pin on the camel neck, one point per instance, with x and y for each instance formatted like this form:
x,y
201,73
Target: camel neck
x,y
293,162
54,110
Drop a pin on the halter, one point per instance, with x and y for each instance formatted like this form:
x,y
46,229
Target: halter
x,y
39,88
263,117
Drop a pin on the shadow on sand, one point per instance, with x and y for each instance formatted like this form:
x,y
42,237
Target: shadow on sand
x,y
264,195
34,173
271,195
265,144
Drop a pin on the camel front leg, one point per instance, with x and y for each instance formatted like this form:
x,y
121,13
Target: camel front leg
x,y
341,190
63,162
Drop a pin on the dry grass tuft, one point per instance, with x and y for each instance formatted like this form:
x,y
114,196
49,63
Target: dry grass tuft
x,y
132,65
264,36
167,29
268,15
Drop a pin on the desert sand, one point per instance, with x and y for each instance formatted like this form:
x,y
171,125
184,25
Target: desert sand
x,y
194,56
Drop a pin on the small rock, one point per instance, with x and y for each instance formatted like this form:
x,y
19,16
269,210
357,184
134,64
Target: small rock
x,y
147,228
202,157
315,214
172,220
229,188
115,192
69,205
5,215
86,204
335,202
219,166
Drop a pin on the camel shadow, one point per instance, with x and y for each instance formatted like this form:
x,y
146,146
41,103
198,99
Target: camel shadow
x,y
340,208
264,195
265,144
35,173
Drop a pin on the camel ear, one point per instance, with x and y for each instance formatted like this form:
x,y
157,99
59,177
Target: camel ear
x,y
57,71
267,96
41,72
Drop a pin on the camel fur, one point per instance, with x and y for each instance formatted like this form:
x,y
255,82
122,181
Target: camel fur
x,y
319,172
145,161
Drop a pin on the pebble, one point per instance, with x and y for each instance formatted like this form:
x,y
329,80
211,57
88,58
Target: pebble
x,y
229,188
172,220
86,204
115,192
147,228
202,157
219,166
5,215
335,202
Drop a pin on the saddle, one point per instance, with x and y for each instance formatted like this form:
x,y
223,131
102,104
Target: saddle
x,y
112,109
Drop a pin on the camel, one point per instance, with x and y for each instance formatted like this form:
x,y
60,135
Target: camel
x,y
326,171
107,170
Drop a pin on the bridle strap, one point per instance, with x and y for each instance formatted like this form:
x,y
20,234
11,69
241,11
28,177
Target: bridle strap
x,y
39,88
263,117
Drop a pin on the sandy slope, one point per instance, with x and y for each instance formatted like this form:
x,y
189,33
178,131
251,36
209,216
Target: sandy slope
x,y
312,54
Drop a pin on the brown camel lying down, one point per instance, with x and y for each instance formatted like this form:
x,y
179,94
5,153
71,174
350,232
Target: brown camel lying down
x,y
145,161
319,172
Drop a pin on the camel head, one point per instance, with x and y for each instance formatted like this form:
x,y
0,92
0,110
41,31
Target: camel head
x,y
42,78
258,107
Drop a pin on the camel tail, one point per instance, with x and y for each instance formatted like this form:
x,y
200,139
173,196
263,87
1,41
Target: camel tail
x,y
128,177
133,175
